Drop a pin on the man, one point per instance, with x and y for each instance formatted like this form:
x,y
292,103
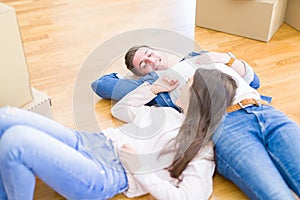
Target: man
x,y
146,63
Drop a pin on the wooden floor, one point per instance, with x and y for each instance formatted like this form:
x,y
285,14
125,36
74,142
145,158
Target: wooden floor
x,y
58,35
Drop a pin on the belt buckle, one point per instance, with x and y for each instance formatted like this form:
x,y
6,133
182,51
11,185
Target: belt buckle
x,y
241,105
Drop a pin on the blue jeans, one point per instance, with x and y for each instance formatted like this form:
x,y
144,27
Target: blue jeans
x,y
32,145
258,148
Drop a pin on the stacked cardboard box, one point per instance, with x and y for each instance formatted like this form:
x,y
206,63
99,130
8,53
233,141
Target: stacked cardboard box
x,y
15,87
292,16
40,104
256,19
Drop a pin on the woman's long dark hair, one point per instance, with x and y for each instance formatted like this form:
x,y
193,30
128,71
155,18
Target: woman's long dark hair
x,y
211,93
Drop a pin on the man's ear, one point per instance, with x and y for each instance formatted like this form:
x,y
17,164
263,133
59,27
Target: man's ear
x,y
136,72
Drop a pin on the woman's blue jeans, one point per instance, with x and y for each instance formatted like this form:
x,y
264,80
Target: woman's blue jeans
x,y
258,148
32,145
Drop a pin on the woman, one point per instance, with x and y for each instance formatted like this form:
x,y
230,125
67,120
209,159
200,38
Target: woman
x,y
161,157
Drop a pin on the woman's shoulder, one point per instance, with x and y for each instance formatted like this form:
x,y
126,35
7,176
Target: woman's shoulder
x,y
171,113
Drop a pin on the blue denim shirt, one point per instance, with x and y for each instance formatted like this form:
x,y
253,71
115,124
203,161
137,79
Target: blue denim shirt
x,y
112,87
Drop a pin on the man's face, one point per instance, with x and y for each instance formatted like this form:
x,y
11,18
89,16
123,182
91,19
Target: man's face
x,y
146,60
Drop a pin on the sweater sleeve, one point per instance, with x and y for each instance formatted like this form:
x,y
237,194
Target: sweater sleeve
x,y
133,103
196,182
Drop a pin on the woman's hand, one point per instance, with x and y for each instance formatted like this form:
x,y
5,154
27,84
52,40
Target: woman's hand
x,y
164,84
129,158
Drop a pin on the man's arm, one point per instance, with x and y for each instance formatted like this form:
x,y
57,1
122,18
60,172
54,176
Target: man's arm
x,y
110,86
240,66
247,71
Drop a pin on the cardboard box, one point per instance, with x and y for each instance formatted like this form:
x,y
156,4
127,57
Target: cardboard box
x,y
256,19
15,89
292,16
41,104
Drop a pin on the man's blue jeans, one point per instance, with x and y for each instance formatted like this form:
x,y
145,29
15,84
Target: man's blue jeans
x,y
258,148
32,145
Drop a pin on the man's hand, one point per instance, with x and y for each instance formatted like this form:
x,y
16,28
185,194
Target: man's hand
x,y
164,84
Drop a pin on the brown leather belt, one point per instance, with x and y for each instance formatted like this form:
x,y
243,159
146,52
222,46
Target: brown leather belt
x,y
245,103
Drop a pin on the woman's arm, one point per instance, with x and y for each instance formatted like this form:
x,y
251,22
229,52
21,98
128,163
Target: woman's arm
x,y
134,102
131,104
196,184
196,181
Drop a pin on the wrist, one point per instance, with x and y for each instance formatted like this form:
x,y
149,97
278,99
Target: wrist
x,y
231,59
154,89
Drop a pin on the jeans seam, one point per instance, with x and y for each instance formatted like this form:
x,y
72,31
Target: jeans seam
x,y
290,182
236,174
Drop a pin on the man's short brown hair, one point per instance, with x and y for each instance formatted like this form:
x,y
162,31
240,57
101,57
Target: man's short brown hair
x,y
129,55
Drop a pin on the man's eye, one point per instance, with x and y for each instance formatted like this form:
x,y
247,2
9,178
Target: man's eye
x,y
150,54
